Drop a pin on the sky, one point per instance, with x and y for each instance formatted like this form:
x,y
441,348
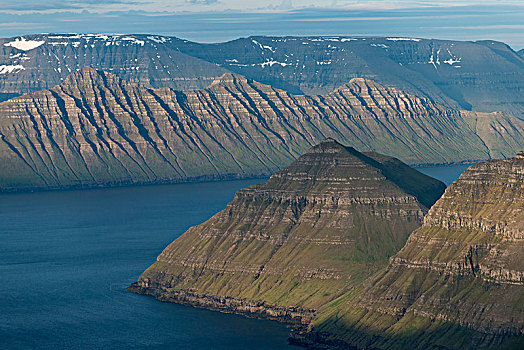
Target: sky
x,y
221,20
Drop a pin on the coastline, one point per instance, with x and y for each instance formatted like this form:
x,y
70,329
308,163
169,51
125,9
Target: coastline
x,y
189,180
293,316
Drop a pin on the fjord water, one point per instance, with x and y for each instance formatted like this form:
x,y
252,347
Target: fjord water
x,y
445,173
67,257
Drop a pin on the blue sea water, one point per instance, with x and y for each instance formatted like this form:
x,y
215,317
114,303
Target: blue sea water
x,y
67,257
445,173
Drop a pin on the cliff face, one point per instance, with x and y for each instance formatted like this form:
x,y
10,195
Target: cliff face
x,y
484,76
284,248
459,280
96,129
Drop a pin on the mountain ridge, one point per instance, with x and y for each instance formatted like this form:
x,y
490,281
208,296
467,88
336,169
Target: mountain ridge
x,y
96,128
484,76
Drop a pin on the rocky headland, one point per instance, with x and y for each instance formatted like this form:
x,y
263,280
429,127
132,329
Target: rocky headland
x,y
285,248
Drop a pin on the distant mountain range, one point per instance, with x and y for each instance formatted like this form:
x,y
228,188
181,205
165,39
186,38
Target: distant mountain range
x,y
96,129
484,76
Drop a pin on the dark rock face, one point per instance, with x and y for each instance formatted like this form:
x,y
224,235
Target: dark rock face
x,y
484,76
95,129
459,280
284,248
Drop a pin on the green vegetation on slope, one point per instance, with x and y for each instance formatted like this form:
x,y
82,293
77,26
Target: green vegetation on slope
x,y
458,282
312,232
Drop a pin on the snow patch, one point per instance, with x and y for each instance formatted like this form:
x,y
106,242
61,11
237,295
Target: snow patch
x,y
263,46
271,63
24,45
402,39
432,61
159,39
452,61
5,69
134,40
380,45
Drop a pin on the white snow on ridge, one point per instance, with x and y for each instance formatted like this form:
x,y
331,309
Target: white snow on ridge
x,y
112,39
158,39
402,39
11,69
134,40
24,45
271,63
333,39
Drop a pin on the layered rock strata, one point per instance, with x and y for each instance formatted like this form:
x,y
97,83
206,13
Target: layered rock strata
x,y
459,280
284,248
95,129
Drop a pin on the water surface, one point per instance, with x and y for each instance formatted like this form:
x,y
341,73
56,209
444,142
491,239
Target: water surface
x,y
66,259
445,173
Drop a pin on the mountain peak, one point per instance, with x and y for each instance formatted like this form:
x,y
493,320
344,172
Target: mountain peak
x,y
465,262
229,78
295,241
82,74
327,143
329,159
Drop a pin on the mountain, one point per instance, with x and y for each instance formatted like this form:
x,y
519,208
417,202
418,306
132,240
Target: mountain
x,y
96,129
37,62
283,248
459,280
483,76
